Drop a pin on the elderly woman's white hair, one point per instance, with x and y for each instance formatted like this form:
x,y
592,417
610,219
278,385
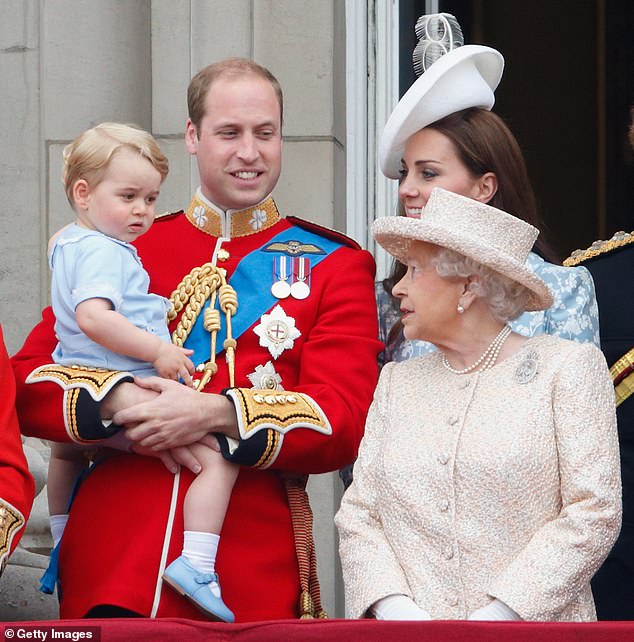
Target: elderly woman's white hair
x,y
507,299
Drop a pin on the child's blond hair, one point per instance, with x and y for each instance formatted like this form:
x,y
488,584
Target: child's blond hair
x,y
87,157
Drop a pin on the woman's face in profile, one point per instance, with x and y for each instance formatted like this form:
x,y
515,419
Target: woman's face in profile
x,y
430,160
427,301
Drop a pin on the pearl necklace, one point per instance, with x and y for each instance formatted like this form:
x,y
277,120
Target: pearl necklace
x,y
488,357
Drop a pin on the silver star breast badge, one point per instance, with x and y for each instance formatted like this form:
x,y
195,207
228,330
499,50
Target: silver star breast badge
x,y
265,378
277,331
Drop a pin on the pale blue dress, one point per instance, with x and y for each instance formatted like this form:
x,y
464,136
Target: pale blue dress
x,y
573,315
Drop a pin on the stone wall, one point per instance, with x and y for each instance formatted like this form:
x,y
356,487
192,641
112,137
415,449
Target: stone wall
x,y
69,64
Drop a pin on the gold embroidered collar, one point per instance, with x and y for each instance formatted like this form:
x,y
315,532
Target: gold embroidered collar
x,y
232,223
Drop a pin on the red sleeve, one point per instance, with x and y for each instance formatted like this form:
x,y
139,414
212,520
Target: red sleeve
x,y
16,483
338,371
45,409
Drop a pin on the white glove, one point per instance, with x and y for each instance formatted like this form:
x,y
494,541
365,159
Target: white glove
x,y
496,610
398,607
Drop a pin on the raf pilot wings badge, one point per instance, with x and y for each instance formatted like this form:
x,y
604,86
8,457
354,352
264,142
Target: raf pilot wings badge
x,y
293,248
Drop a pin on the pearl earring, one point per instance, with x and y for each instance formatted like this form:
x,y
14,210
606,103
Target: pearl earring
x,y
460,309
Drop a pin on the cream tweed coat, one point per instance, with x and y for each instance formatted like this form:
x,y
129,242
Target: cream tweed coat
x,y
503,484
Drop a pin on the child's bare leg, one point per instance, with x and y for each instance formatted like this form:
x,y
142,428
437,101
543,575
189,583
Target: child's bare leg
x,y
66,463
209,494
204,511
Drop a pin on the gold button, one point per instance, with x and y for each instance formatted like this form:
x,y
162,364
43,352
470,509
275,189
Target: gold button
x,y
223,255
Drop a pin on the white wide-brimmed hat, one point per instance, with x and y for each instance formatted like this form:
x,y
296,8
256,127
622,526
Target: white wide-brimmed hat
x,y
464,77
479,231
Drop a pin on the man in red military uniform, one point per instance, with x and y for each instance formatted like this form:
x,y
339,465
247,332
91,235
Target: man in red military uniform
x,y
281,317
16,483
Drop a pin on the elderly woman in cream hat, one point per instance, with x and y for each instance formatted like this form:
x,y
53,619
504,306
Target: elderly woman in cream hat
x,y
487,484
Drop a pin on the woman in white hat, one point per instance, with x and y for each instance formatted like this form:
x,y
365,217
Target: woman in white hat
x,y
487,484
443,134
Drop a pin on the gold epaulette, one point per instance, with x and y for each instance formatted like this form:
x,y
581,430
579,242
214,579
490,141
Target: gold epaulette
x,y
599,247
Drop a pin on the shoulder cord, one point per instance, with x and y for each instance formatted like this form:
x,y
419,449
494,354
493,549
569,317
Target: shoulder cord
x,y
202,283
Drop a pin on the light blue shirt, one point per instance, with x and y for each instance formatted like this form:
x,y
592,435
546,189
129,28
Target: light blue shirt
x,y
573,315
87,264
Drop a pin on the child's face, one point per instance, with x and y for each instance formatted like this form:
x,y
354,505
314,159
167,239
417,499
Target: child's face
x,y
122,204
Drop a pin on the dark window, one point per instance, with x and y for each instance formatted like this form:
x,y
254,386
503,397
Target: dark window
x,y
566,95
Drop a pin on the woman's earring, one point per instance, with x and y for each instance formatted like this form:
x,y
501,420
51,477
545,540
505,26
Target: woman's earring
x,y
460,309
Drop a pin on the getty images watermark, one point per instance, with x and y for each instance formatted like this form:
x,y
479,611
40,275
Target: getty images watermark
x,y
54,632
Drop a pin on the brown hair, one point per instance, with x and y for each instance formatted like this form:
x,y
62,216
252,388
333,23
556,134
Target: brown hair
x,y
484,144
230,68
87,157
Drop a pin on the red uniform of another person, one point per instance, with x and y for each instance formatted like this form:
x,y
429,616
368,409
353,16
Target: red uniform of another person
x,y
16,483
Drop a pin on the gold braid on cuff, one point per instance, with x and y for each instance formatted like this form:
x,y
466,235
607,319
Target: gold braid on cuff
x,y
279,411
97,381
11,521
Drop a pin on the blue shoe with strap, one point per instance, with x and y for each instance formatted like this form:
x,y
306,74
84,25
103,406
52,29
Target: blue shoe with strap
x,y
194,585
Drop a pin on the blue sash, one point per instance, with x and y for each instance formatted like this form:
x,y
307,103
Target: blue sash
x,y
252,281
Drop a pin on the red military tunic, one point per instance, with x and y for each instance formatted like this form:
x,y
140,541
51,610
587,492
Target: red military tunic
x,y
16,483
122,531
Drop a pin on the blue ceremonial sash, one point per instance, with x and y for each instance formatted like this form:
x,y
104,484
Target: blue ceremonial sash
x,y
253,279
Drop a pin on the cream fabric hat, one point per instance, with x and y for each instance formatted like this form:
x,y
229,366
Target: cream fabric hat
x,y
483,233
464,77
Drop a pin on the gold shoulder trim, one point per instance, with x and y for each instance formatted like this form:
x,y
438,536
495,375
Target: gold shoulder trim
x,y
622,372
97,381
278,411
599,247
11,521
624,389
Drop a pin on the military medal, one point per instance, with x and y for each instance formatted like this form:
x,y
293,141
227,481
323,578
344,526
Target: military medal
x,y
300,288
281,287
